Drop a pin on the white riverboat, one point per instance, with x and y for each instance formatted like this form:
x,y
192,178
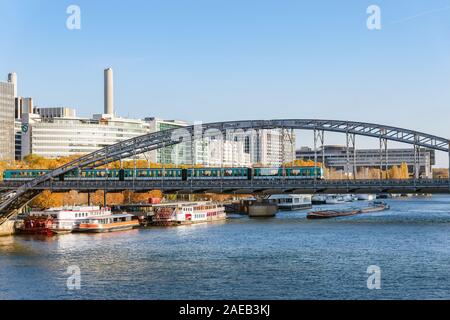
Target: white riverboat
x,y
319,199
292,201
65,219
335,199
182,213
366,197
114,222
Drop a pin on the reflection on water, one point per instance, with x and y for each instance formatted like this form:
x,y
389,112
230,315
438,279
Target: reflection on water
x,y
286,257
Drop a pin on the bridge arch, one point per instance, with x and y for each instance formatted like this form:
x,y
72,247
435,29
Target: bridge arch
x,y
156,140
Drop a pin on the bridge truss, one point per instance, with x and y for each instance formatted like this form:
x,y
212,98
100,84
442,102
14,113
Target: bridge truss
x,y
12,202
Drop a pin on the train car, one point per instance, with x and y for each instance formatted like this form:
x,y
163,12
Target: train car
x,y
227,173
217,173
94,174
23,174
153,174
264,173
304,173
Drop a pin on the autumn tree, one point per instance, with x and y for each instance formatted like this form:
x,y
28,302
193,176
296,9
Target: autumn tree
x,y
47,200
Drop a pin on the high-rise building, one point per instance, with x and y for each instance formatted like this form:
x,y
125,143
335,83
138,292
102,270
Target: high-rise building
x,y
7,106
270,147
226,154
175,154
12,78
18,139
23,105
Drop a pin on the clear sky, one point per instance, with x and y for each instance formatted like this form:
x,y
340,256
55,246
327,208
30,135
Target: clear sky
x,y
211,60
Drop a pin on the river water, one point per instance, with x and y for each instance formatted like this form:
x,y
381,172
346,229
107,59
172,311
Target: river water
x,y
286,257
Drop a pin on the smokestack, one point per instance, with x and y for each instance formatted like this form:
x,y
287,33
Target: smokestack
x,y
12,78
109,92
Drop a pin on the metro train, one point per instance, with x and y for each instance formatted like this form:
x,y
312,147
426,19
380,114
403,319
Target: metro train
x,y
303,173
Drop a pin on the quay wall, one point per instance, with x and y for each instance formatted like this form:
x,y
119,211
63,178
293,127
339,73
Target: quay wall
x,y
7,228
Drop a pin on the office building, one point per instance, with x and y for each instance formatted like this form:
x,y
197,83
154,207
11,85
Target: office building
x,y
269,147
7,109
175,154
336,158
67,136
55,112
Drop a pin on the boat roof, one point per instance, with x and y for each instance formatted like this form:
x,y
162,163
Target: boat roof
x,y
73,208
287,196
119,215
183,203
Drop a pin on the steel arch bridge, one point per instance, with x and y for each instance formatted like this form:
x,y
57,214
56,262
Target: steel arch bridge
x,y
13,201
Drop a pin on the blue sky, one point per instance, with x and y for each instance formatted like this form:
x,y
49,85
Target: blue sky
x,y
213,60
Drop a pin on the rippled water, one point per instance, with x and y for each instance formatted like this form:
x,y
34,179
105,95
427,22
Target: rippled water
x,y
287,257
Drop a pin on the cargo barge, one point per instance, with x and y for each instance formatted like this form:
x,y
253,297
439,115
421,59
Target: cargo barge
x,y
325,214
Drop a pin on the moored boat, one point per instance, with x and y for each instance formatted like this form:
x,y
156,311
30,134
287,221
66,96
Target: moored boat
x,y
114,222
319,199
63,219
292,201
36,225
334,199
182,213
365,196
324,214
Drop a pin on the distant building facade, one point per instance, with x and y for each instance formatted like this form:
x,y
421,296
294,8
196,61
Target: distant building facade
x,y
7,108
55,112
171,154
54,132
336,158
270,147
53,136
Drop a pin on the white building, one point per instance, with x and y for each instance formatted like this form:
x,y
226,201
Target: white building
x,y
221,153
269,147
172,154
23,105
67,136
7,106
55,112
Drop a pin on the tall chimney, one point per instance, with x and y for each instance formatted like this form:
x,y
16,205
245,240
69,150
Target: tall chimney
x,y
12,78
109,92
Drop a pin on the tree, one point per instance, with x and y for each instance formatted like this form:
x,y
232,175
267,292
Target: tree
x,y
404,171
47,200
302,163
